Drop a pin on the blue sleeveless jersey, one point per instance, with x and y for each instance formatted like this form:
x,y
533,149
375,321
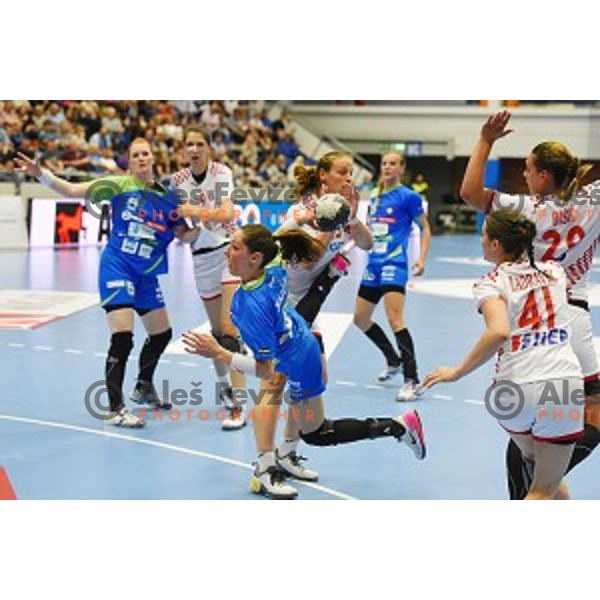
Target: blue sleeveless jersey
x,y
392,215
273,330
142,222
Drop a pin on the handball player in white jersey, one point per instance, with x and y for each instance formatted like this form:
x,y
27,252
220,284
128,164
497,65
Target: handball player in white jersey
x,y
524,304
204,189
309,284
567,217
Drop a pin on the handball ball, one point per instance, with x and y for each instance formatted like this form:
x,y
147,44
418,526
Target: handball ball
x,y
331,212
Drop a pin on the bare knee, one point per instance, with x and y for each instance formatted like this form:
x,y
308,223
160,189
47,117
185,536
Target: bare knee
x,y
363,322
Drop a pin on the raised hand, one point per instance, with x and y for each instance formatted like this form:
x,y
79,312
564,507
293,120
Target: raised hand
x,y
495,127
351,193
29,166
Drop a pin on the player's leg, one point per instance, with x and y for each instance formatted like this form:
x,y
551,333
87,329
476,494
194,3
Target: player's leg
x,y
288,459
394,299
151,308
582,341
117,297
267,478
554,434
551,461
366,302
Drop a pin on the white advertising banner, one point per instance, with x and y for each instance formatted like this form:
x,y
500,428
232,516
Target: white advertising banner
x,y
13,227
62,222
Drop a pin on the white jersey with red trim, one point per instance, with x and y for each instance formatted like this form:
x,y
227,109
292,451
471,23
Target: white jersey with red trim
x,y
217,185
300,278
539,346
568,234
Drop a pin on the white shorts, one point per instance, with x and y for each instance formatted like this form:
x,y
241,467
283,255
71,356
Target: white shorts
x,y
582,342
549,411
211,273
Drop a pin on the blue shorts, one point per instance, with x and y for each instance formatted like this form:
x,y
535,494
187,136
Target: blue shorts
x,y
378,274
304,371
120,284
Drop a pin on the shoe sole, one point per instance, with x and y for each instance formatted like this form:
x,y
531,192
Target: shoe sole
x,y
233,427
140,425
256,487
388,378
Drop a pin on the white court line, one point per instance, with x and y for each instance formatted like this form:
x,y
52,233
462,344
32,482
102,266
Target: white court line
x,y
374,387
469,401
71,351
349,383
180,449
44,348
442,397
15,345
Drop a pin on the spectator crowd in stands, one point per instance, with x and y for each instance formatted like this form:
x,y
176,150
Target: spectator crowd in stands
x,y
84,139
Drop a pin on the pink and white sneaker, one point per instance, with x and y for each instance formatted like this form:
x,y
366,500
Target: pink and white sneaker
x,y
413,436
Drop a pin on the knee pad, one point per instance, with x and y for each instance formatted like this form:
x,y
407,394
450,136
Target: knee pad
x,y
322,436
159,341
229,342
121,344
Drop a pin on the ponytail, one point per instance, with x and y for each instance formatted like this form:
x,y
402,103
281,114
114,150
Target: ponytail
x,y
298,246
566,169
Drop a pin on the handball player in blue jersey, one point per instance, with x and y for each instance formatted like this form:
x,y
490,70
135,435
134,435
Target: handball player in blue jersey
x,y
394,208
281,342
145,219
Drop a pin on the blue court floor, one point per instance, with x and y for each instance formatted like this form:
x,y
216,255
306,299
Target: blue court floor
x,y
52,448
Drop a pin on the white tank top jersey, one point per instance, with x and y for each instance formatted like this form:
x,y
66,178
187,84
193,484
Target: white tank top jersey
x,y
217,185
539,345
299,277
567,234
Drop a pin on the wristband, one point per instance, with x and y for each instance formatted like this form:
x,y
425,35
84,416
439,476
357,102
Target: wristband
x,y
46,178
353,221
243,363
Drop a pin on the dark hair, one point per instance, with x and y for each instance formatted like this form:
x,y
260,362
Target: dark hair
x,y
295,245
197,129
307,178
566,169
515,234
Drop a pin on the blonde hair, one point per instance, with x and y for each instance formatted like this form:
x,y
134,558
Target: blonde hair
x,y
307,178
138,140
380,183
565,168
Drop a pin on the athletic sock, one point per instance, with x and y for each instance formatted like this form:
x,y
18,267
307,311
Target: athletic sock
x,y
407,354
378,337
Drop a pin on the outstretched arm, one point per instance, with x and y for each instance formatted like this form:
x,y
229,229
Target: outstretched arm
x,y
47,178
473,191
